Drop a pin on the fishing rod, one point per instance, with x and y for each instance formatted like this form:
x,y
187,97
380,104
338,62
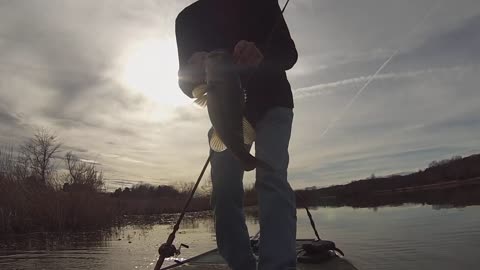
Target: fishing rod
x,y
168,249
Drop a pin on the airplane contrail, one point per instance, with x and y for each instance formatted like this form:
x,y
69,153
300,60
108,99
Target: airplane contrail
x,y
347,107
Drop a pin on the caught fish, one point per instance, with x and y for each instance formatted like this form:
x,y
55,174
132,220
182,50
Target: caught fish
x,y
225,100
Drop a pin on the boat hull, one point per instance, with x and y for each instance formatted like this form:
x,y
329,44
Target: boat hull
x,y
213,260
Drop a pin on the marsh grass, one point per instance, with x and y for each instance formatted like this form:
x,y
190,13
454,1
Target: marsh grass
x,y
35,208
26,207
32,200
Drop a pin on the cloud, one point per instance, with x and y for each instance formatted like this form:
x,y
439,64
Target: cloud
x,y
455,46
321,89
10,119
352,45
359,165
426,109
188,114
58,69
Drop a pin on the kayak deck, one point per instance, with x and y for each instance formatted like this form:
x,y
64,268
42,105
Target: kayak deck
x,y
213,260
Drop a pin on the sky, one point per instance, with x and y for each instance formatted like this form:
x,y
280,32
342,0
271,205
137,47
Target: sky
x,y
102,75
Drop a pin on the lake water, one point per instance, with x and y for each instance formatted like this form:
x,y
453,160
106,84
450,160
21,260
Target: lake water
x,y
406,237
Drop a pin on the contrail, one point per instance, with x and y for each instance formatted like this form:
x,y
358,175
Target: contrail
x,y
325,88
359,92
372,77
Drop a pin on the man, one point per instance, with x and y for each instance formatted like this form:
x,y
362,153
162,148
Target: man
x,y
244,27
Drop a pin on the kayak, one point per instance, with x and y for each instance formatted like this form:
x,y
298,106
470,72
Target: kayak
x,y
212,260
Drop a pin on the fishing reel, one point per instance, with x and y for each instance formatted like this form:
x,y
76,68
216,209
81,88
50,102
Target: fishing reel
x,y
318,251
168,251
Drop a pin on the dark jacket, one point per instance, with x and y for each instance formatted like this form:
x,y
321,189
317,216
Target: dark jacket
x,y
207,25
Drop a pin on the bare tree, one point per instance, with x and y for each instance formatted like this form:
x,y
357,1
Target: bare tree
x,y
13,165
184,187
22,167
6,163
82,175
39,153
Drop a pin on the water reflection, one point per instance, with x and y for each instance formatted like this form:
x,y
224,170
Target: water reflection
x,y
12,244
407,237
44,250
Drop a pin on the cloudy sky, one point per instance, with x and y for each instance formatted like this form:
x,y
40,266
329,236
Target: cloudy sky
x,y
102,75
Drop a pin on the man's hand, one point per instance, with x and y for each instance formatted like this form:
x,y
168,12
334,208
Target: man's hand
x,y
247,53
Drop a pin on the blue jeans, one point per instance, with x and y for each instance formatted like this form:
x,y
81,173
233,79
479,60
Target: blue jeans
x,y
276,200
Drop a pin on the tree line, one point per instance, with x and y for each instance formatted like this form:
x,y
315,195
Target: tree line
x,y
42,189
364,192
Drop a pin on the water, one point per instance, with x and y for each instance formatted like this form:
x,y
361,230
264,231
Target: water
x,y
407,237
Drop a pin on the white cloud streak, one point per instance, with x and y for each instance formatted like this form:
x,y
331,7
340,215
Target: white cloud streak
x,y
328,88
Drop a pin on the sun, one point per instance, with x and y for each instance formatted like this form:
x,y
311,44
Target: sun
x,y
149,67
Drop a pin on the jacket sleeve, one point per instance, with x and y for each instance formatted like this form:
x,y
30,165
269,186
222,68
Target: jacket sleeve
x,y
278,49
187,75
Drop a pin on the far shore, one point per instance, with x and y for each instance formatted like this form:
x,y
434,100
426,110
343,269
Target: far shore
x,y
60,211
34,197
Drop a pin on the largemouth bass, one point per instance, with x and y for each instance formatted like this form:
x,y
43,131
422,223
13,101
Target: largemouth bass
x,y
225,100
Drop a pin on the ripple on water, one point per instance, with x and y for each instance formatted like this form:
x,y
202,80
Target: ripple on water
x,y
390,238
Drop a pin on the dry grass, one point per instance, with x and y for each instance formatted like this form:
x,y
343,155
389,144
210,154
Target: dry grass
x,y
34,197
26,207
29,207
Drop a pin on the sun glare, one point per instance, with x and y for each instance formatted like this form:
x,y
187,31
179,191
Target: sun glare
x,y
149,67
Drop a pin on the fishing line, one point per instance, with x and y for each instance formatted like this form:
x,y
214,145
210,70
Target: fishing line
x,y
347,107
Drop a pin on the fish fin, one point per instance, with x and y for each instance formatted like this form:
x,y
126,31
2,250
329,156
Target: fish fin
x,y
201,101
200,95
199,91
216,144
248,132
